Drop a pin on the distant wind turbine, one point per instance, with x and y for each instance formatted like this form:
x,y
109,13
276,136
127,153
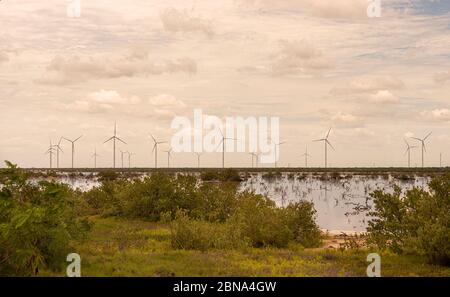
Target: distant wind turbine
x,y
306,155
58,149
254,157
277,145
327,143
169,155
198,159
129,158
73,145
50,151
422,141
95,155
121,156
155,149
222,142
114,138
408,151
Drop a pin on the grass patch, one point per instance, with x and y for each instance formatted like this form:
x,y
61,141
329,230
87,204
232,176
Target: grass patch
x,y
123,247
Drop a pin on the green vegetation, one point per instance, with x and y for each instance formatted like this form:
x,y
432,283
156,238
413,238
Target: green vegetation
x,y
129,247
168,224
415,223
37,224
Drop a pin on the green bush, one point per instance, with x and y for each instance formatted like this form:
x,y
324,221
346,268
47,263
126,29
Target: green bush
x,y
417,222
104,200
261,221
300,219
37,224
192,234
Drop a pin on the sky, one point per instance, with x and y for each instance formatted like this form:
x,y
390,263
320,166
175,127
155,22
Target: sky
x,y
140,63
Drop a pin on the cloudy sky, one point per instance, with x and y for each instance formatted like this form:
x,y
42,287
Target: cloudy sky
x,y
314,63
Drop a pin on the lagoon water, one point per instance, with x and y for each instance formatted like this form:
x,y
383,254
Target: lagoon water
x,y
342,203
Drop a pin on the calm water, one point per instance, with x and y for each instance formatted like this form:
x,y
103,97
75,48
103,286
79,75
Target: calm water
x,y
342,204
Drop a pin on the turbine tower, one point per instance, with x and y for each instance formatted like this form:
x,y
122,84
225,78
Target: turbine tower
x,y
277,145
222,142
50,151
408,151
95,155
169,155
198,159
121,156
327,143
58,149
73,145
155,149
254,156
114,138
306,155
129,158
422,141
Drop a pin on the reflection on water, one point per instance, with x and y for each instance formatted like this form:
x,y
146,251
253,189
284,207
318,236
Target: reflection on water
x,y
342,203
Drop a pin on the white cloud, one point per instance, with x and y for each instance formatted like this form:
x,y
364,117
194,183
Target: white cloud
x,y
73,69
319,8
346,120
111,97
409,134
166,101
101,101
383,96
180,21
370,84
440,115
295,57
441,77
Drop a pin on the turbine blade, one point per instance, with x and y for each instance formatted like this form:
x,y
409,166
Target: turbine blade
x,y
153,138
109,139
428,136
417,138
329,143
78,138
328,134
319,140
121,140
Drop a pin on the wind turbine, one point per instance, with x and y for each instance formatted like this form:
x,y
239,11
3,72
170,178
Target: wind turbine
x,y
50,151
254,155
306,155
58,149
198,159
422,141
155,149
73,145
129,158
95,155
121,156
327,143
114,138
223,146
408,151
169,155
276,150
